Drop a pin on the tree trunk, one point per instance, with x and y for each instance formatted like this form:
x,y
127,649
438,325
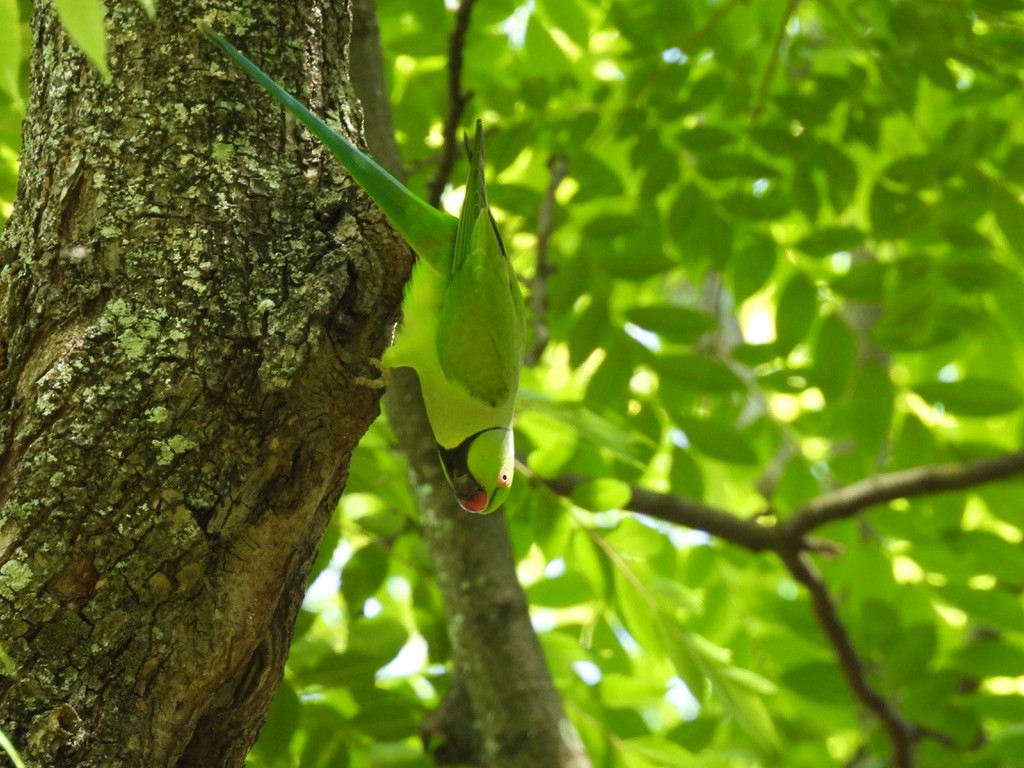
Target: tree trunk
x,y
188,292
503,710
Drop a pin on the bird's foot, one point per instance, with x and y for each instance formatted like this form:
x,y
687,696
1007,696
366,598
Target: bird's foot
x,y
383,381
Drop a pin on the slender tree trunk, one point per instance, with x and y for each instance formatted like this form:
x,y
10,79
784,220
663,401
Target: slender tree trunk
x,y
503,710
187,293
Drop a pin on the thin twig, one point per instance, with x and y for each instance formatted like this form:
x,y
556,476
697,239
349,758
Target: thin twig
x,y
689,44
835,505
900,733
457,101
773,61
558,168
788,540
679,511
905,483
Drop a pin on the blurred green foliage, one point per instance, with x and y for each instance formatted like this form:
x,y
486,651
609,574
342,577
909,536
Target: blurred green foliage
x,y
787,256
14,47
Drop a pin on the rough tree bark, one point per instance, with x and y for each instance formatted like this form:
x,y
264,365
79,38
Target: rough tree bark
x,y
188,289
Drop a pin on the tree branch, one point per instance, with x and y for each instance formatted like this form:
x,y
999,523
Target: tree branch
x,y
788,541
905,483
842,503
457,101
718,15
900,733
679,511
558,167
773,62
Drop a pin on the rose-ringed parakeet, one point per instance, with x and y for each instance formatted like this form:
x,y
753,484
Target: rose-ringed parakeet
x,y
463,312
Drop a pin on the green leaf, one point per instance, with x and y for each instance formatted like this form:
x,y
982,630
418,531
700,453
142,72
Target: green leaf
x,y
363,574
1006,747
992,554
717,440
628,246
658,753
990,658
995,608
601,494
973,272
908,658
10,51
596,179
149,6
84,22
863,281
636,614
741,692
835,356
381,638
704,137
971,396
544,55
675,601
686,478
829,240
634,540
281,723
699,372
724,165
569,422
753,266
895,213
672,323
1010,215
568,16
818,681
570,588
386,716
872,407
589,332
698,228
329,542
841,173
795,311
622,691
697,734
323,749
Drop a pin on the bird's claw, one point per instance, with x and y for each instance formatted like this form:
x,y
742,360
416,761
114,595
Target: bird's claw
x,y
383,381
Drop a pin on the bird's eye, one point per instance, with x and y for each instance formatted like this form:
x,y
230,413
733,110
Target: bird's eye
x,y
503,478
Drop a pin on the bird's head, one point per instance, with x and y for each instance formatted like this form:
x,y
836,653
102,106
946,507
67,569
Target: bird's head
x,y
480,469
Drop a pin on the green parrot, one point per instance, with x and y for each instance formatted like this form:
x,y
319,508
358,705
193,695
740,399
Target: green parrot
x,y
463,324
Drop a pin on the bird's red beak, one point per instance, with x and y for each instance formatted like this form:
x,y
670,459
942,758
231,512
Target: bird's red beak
x,y
475,503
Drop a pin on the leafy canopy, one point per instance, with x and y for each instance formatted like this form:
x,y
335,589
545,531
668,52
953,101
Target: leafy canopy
x,y
786,257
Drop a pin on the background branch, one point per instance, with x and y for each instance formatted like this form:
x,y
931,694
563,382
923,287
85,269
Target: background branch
x,y
844,502
900,733
773,61
787,540
457,101
905,483
558,168
679,511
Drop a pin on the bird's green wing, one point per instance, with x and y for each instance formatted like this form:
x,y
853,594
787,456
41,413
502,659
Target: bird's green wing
x,y
480,327
429,231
